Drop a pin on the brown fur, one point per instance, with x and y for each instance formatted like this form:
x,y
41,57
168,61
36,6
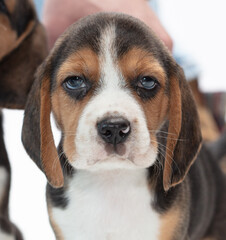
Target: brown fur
x,y
8,37
209,239
84,61
169,223
175,121
16,73
11,4
20,52
50,161
55,227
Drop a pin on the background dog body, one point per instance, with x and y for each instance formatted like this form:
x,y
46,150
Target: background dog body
x,y
22,48
108,70
19,60
7,229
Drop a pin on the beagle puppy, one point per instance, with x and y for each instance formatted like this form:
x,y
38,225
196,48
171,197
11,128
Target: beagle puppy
x,y
23,47
127,166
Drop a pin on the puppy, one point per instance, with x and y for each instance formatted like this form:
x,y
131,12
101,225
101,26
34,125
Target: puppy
x,y
22,48
125,167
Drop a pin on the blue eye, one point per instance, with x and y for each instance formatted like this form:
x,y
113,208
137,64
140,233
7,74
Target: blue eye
x,y
148,83
74,83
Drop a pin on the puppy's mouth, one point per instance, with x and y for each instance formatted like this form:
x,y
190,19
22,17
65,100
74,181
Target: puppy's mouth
x,y
113,162
115,149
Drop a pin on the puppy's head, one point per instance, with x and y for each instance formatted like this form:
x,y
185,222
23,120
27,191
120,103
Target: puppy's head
x,y
22,48
115,92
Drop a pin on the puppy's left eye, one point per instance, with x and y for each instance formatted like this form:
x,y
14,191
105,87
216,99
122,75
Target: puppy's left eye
x,y
148,83
74,83
146,86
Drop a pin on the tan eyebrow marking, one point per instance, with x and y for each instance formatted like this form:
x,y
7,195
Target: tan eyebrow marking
x,y
139,62
83,62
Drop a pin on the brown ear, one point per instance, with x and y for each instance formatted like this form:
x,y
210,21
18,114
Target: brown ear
x,y
18,67
184,135
37,135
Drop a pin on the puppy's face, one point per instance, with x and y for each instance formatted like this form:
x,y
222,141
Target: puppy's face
x,y
110,106
114,87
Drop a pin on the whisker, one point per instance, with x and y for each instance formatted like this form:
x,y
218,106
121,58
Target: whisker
x,y
161,145
177,139
166,161
159,131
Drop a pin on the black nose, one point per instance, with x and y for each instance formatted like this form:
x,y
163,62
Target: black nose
x,y
114,130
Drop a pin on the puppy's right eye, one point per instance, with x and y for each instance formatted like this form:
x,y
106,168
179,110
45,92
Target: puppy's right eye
x,y
77,86
74,83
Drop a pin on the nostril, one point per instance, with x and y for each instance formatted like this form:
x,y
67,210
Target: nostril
x,y
107,133
121,134
104,129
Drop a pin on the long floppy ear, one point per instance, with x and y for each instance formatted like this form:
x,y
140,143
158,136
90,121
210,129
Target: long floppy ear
x,y
184,135
18,67
37,135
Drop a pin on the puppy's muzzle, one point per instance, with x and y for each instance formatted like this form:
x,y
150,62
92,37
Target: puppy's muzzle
x,y
114,130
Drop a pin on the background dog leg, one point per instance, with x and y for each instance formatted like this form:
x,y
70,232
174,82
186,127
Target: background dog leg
x,y
7,229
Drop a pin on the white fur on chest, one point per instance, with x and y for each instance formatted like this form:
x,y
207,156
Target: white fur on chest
x,y
110,205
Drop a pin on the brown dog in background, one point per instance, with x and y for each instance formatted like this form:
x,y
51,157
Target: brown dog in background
x,y
22,48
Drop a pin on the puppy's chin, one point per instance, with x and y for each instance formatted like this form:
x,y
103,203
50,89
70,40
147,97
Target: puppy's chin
x,y
115,161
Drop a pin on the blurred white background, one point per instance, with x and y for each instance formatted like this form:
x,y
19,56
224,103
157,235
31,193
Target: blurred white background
x,y
199,27
27,201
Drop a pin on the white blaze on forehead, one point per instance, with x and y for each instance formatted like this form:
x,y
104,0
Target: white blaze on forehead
x,y
110,76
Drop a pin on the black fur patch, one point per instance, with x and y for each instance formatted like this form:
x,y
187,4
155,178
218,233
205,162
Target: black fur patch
x,y
57,195
163,201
